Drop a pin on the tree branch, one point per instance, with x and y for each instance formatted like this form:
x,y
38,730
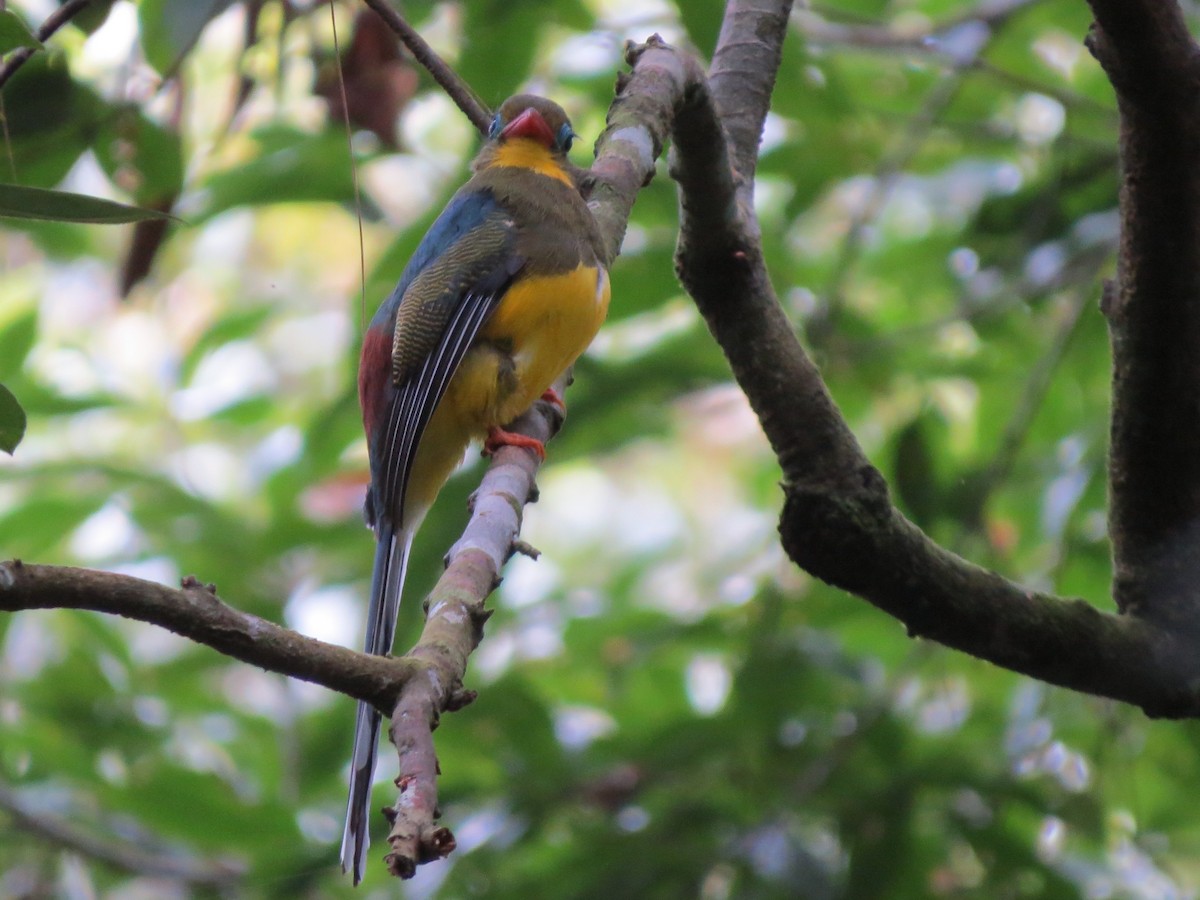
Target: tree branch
x,y
742,73
195,612
887,174
1153,311
838,521
219,874
1033,394
924,41
54,21
719,260
417,688
456,89
1147,53
638,122
453,628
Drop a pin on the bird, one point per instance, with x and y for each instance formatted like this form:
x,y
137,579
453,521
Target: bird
x,y
502,295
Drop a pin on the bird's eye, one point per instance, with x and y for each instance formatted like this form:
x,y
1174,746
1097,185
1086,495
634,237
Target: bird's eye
x,y
494,131
566,137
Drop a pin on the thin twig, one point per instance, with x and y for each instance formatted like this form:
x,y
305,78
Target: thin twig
x,y
451,82
362,256
993,15
887,174
816,27
1036,387
100,844
1082,268
928,43
8,150
54,21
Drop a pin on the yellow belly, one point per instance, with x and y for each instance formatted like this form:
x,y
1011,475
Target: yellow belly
x,y
442,447
542,325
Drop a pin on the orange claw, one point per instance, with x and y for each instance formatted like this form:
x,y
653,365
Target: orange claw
x,y
498,437
554,398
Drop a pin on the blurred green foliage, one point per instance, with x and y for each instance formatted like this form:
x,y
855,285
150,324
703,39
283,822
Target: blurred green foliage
x,y
667,707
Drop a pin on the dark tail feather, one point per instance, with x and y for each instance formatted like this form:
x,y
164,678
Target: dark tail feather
x,y
387,581
356,838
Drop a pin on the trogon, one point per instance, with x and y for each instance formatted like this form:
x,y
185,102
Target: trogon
x,y
502,295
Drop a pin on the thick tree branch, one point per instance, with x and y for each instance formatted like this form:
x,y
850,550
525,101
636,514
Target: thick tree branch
x,y
427,681
838,521
1153,311
639,121
742,73
1146,51
453,628
415,688
860,543
195,612
625,155
719,260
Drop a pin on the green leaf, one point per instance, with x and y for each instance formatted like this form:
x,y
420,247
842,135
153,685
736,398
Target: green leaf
x,y
12,421
91,17
14,32
17,202
170,28
18,331
237,325
131,147
41,400
702,19
500,41
293,167
50,121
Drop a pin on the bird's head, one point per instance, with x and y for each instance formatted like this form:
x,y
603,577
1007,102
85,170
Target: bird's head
x,y
532,118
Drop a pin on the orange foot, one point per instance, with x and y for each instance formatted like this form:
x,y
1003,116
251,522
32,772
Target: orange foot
x,y
498,437
554,398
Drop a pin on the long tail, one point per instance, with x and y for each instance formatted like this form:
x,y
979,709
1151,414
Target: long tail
x,y
387,582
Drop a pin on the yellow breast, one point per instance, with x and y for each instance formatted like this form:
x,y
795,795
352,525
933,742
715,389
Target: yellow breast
x,y
541,326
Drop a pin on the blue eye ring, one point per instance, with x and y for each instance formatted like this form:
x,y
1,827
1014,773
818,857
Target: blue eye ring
x,y
494,130
566,137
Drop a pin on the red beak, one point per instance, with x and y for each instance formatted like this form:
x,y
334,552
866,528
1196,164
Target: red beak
x,y
531,125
